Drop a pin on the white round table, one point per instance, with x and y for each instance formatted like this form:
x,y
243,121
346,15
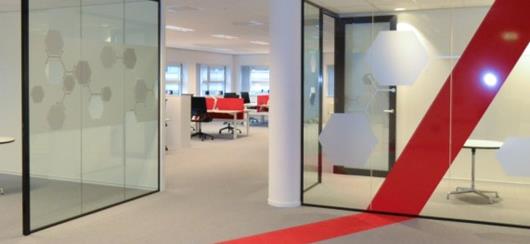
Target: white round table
x,y
6,140
474,145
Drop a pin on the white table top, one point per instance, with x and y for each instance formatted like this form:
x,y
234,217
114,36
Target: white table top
x,y
225,111
483,144
5,140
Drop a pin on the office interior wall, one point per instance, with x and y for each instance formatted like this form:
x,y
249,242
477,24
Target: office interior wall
x,y
190,58
10,91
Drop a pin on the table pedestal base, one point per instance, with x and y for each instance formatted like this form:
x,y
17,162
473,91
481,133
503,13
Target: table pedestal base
x,y
483,194
472,189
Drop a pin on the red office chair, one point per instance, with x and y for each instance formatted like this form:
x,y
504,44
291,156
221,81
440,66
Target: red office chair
x,y
263,101
231,104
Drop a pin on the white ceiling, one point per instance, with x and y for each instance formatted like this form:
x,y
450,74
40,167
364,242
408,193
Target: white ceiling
x,y
245,19
364,6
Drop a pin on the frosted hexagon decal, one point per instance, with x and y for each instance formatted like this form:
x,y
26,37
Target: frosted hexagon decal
x,y
56,116
514,156
68,84
83,72
96,107
348,139
106,94
129,58
397,58
37,94
108,56
140,91
54,43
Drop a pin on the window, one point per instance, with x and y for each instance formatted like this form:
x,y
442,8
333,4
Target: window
x,y
255,79
212,79
174,77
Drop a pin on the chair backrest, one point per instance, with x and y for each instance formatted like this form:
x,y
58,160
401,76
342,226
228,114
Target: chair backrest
x,y
263,100
230,104
245,96
198,106
210,103
231,95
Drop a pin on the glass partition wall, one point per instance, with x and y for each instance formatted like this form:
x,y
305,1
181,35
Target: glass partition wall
x,y
426,117
91,77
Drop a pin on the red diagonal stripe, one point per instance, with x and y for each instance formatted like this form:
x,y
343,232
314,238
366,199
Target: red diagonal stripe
x,y
324,230
496,47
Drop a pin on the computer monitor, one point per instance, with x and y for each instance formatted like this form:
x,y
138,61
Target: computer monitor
x,y
231,95
245,96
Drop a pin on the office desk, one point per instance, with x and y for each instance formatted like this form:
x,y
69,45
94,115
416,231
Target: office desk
x,y
234,113
251,105
475,145
5,140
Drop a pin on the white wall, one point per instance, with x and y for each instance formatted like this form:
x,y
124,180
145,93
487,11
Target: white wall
x,y
10,93
190,58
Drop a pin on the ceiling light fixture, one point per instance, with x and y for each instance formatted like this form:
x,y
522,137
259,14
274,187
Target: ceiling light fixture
x,y
222,36
178,28
260,43
400,9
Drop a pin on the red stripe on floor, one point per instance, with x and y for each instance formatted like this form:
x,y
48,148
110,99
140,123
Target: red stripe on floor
x,y
323,230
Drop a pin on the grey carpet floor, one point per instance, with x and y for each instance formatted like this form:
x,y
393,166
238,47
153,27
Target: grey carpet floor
x,y
217,190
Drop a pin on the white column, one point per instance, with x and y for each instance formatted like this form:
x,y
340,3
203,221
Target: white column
x,y
162,95
285,114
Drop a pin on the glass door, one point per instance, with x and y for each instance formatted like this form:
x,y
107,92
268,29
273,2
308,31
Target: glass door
x,y
365,97
312,84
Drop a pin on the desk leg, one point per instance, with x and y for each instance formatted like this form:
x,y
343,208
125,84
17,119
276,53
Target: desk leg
x,y
473,152
247,121
235,126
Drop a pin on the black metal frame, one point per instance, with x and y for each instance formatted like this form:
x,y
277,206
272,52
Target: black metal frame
x,y
339,75
340,68
26,211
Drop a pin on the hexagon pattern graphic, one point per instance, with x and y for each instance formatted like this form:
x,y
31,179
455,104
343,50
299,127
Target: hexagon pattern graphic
x,y
348,139
68,84
397,58
54,43
96,107
56,116
108,57
141,91
83,72
129,58
37,94
106,94
514,156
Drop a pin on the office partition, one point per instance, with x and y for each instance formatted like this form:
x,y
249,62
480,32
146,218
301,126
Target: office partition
x,y
427,116
91,106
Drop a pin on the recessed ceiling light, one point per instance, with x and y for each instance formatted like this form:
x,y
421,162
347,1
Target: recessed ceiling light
x,y
222,36
178,28
400,9
260,43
